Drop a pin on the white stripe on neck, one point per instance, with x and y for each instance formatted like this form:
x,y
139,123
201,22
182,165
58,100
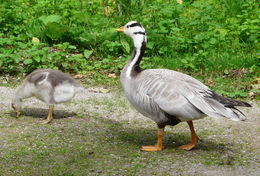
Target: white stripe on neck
x,y
138,41
132,63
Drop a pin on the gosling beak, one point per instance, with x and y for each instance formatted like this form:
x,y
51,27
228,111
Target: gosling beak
x,y
17,113
121,29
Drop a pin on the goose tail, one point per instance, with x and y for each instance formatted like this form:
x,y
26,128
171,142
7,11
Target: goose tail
x,y
215,105
228,109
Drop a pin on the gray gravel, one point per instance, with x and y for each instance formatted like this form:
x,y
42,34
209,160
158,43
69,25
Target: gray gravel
x,y
92,100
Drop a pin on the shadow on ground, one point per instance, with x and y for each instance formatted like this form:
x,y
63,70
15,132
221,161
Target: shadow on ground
x,y
146,136
43,113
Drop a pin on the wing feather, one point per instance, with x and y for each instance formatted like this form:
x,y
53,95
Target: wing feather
x,y
183,96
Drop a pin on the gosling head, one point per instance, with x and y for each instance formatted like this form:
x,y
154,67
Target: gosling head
x,y
17,106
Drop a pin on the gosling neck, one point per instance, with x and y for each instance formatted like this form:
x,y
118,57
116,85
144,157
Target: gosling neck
x,y
17,100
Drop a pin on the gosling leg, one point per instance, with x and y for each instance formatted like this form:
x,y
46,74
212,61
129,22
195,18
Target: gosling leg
x,y
50,115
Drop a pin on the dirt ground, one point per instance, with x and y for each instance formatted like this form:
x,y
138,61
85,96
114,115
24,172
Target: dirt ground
x,y
114,107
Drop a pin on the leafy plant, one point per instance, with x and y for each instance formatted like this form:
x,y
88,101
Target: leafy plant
x,y
79,36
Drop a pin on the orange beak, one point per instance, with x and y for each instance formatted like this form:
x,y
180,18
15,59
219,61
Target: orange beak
x,y
121,29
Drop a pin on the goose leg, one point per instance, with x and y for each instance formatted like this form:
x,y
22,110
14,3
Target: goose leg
x,y
159,145
194,138
50,115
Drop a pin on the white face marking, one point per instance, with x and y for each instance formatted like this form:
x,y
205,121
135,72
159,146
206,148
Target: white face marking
x,y
132,27
137,33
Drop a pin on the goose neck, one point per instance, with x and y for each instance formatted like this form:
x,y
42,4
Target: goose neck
x,y
133,68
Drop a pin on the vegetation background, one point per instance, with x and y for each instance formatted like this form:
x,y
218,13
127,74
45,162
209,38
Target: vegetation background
x,y
214,40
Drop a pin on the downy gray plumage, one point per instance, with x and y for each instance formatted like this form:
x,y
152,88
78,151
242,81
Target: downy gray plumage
x,y
49,86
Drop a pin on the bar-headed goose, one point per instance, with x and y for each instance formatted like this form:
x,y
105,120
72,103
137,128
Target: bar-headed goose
x,y
50,86
169,97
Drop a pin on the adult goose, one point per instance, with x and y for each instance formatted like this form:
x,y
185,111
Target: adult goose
x,y
170,97
49,86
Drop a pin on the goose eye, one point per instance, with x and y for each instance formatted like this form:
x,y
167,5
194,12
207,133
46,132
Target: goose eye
x,y
127,26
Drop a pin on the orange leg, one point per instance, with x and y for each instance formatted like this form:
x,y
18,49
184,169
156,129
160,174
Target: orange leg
x,y
158,146
194,138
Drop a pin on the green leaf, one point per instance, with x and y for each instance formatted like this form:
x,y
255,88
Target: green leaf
x,y
90,67
97,65
87,53
212,41
222,32
150,45
72,47
17,59
125,46
55,30
78,55
226,71
27,61
50,19
243,94
37,59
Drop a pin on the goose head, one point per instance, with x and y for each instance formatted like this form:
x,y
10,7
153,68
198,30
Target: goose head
x,y
134,30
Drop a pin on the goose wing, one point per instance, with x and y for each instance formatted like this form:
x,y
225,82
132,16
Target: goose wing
x,y
183,96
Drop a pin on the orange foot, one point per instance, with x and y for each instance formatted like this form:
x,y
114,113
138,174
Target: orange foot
x,y
188,146
194,138
152,148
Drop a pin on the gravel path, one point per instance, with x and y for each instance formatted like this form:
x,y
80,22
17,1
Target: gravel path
x,y
92,100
